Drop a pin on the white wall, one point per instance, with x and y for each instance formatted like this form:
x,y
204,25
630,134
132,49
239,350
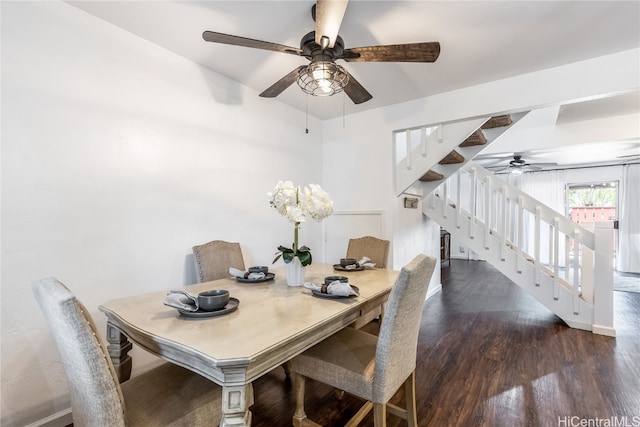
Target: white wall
x,y
117,158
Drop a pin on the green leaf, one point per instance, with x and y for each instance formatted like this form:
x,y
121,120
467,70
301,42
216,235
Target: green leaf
x,y
277,258
305,258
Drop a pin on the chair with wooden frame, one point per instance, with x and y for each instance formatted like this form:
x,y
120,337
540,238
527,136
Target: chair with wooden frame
x,y
368,366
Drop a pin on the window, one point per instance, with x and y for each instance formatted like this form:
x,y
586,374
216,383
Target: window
x,y
593,202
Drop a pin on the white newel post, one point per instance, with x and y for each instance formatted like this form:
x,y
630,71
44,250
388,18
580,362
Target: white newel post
x,y
603,289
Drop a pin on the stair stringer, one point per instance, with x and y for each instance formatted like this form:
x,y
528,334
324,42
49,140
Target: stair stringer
x,y
554,295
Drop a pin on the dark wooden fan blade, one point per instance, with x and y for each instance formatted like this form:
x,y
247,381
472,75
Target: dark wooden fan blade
x,y
278,87
355,91
329,14
413,52
214,37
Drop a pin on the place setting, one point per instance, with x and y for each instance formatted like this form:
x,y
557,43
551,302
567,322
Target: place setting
x,y
334,287
211,303
351,264
256,274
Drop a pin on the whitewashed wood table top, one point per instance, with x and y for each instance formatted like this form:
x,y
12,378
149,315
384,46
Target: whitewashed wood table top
x,y
271,318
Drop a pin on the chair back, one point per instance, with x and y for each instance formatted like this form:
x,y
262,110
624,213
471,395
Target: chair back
x,y
213,259
96,397
376,249
398,336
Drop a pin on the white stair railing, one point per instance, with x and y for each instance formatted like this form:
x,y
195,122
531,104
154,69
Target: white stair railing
x,y
566,266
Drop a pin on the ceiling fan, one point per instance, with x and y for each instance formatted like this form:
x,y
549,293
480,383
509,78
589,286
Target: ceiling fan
x,y
517,165
322,47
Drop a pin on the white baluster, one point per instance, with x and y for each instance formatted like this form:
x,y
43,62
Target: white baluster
x,y
423,141
576,271
458,197
445,198
556,256
536,243
487,211
503,249
474,196
440,133
520,234
408,144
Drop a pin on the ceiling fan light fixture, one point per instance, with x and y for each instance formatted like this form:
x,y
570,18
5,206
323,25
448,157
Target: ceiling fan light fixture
x,y
516,171
323,78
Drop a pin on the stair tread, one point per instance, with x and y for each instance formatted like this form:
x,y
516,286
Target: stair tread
x,y
451,158
476,138
431,176
497,121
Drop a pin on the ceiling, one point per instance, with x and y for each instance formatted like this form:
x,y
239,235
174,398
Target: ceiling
x,y
481,41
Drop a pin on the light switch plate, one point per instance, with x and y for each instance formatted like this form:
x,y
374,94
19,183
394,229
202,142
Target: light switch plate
x,y
411,203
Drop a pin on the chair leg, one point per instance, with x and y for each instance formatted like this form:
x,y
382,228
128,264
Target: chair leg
x,y
410,396
299,416
379,415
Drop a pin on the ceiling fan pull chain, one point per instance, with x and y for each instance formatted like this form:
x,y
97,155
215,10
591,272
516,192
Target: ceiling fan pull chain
x,y
306,113
344,107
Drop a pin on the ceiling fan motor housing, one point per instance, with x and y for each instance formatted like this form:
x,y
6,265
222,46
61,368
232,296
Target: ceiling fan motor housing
x,y
310,48
517,161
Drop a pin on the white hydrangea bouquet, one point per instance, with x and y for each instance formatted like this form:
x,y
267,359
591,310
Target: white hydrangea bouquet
x,y
295,204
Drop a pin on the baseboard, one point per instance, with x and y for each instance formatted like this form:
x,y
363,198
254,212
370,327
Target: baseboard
x,y
59,419
604,330
433,290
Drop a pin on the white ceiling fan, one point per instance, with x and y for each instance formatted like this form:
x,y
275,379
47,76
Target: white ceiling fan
x,y
514,164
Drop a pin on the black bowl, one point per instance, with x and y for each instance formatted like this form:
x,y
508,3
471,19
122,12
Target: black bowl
x,y
213,300
259,269
330,279
347,261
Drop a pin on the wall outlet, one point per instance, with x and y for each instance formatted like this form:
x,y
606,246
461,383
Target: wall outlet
x,y
461,249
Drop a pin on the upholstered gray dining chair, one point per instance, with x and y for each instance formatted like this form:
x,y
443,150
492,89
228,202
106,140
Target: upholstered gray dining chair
x,y
373,367
376,249
213,259
167,395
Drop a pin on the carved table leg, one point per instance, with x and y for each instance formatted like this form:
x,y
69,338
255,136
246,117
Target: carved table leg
x,y
287,368
235,406
118,348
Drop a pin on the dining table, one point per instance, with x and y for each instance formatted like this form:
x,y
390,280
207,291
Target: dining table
x,y
272,323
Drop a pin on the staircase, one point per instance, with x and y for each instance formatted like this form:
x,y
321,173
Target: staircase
x,y
567,267
428,154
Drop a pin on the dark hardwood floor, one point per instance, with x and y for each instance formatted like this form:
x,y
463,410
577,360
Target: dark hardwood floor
x,y
491,355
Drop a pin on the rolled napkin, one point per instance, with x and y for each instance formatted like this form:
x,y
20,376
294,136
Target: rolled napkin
x,y
182,300
246,275
366,262
334,288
